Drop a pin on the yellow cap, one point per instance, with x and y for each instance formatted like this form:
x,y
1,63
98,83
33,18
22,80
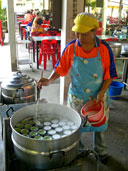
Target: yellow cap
x,y
84,22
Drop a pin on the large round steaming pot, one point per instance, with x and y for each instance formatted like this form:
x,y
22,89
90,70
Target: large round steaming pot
x,y
18,88
46,154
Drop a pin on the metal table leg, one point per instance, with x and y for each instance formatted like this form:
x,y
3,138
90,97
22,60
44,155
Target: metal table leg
x,y
125,72
37,53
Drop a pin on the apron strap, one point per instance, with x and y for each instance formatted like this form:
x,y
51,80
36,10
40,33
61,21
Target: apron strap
x,y
74,48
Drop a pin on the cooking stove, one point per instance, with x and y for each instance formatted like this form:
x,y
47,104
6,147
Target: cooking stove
x,y
12,163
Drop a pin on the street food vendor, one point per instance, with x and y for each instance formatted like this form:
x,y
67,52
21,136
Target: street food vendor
x,y
92,69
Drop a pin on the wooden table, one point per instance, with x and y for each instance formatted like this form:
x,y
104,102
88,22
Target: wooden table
x,y
37,40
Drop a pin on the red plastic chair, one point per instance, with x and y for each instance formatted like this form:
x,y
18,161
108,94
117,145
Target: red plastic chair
x,y
47,49
58,51
43,25
100,24
111,39
46,22
99,31
36,34
111,20
24,34
30,38
25,22
58,34
115,20
52,32
1,34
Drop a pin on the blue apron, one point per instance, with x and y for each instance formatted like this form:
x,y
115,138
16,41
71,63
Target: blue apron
x,y
86,81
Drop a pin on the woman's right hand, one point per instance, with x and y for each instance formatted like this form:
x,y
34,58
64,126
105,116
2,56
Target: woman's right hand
x,y
43,82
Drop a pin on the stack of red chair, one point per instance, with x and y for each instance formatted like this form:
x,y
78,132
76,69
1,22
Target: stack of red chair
x,y
47,49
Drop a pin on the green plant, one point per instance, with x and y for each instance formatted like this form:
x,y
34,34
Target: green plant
x,y
3,17
91,3
0,4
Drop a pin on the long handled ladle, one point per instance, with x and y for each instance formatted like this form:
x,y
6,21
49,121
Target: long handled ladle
x,y
37,118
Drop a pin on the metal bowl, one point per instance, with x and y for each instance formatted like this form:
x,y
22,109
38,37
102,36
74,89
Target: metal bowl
x,y
116,48
124,50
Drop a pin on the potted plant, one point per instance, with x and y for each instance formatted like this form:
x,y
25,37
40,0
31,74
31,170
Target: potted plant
x,y
3,18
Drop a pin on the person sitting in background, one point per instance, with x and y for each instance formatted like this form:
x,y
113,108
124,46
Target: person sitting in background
x,y
115,32
28,16
46,16
28,28
36,27
34,13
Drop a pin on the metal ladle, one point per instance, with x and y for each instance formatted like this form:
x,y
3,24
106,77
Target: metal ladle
x,y
37,117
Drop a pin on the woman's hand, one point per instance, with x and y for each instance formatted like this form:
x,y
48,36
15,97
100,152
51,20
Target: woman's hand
x,y
100,96
43,82
105,85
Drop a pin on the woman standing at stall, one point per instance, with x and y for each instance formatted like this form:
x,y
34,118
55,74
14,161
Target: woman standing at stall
x,y
92,69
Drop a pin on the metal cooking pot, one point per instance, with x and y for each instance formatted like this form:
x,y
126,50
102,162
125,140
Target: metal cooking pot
x,y
46,154
116,48
18,88
124,49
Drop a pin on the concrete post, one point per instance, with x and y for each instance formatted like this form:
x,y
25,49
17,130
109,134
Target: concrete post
x,y
69,10
49,4
43,4
11,30
120,10
104,18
